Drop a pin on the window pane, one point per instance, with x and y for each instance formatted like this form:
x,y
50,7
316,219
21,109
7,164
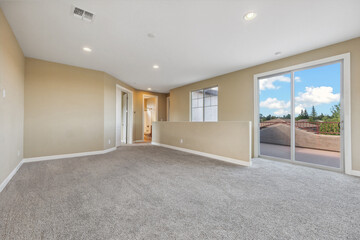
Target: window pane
x,y
197,115
210,92
211,114
214,100
197,94
207,101
211,108
204,102
197,106
317,115
275,118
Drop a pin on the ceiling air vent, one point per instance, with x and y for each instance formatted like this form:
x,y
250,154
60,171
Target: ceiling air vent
x,y
78,12
82,14
88,16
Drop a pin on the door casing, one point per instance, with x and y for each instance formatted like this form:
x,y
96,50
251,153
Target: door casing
x,y
130,107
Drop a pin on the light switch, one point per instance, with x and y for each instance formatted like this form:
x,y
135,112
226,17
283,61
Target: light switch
x,y
4,93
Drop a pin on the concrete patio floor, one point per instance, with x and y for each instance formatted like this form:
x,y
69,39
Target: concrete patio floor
x,y
319,157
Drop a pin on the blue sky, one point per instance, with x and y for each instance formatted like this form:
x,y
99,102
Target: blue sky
x,y
318,86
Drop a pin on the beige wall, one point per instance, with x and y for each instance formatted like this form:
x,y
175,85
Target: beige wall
x,y
219,138
12,106
236,90
64,109
109,111
70,109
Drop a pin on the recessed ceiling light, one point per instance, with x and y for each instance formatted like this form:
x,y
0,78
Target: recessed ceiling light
x,y
87,49
156,66
249,16
277,53
149,88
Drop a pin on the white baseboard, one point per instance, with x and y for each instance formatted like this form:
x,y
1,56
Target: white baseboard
x,y
71,155
53,157
354,173
7,180
135,144
209,155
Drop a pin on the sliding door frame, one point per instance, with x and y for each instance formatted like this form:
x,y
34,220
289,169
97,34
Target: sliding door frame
x,y
346,158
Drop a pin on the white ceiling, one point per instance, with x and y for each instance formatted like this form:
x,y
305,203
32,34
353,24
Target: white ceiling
x,y
194,39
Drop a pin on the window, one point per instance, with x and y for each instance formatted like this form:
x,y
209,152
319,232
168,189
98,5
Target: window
x,y
204,105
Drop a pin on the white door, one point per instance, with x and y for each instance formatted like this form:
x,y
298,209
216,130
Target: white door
x,y
124,117
118,116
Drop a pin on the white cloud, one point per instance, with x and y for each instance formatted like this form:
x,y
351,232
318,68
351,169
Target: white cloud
x,y
314,96
274,103
281,112
297,79
268,83
298,108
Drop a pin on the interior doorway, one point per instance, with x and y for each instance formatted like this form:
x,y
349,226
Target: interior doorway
x,y
124,116
302,114
150,115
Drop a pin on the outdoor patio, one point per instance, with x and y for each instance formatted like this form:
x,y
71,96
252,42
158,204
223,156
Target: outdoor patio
x,y
314,156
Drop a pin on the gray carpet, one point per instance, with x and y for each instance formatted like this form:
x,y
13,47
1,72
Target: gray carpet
x,y
149,192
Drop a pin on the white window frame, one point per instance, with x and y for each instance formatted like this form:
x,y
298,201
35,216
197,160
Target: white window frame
x,y
190,97
346,108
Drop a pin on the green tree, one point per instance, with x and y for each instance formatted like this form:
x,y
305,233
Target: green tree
x,y
330,124
306,115
261,117
313,115
335,110
321,116
300,116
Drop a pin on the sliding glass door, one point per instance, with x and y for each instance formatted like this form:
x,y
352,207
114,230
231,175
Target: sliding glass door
x,y
318,113
300,116
275,116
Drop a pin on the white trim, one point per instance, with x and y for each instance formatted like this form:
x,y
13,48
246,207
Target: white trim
x,y
250,140
130,115
136,144
168,109
347,115
71,155
345,58
190,105
53,157
256,117
213,156
142,112
292,126
13,172
354,173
